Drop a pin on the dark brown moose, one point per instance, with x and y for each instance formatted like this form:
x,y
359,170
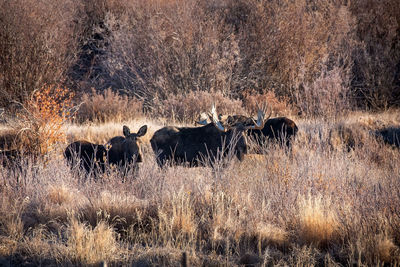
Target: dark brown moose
x,y
125,150
281,129
13,160
195,145
120,151
89,156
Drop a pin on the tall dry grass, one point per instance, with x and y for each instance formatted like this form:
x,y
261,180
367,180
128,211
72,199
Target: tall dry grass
x,y
315,204
107,106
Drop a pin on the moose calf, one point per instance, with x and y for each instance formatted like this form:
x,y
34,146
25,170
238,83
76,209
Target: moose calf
x,y
91,156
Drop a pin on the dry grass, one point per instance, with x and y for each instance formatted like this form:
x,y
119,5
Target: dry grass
x,y
387,251
59,194
90,246
187,107
102,132
318,222
333,199
312,205
107,106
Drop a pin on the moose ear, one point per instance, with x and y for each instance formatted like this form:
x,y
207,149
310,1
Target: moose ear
x,y
142,131
126,131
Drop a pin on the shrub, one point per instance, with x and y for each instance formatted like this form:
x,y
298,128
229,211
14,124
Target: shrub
x,y
88,71
187,108
252,101
155,52
153,49
227,47
38,45
108,106
376,54
39,123
328,95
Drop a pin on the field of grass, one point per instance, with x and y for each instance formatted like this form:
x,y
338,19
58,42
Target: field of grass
x,y
81,69
334,199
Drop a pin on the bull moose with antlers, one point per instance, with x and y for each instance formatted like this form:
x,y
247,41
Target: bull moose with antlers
x,y
194,145
281,129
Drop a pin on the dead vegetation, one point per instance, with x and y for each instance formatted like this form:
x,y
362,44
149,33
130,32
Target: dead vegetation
x,y
320,58
315,204
333,199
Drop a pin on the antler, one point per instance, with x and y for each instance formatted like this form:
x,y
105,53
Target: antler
x,y
214,119
236,120
259,124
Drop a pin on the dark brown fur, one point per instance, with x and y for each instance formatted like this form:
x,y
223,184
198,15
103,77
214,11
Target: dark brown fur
x,y
195,144
125,149
91,156
10,158
279,129
390,135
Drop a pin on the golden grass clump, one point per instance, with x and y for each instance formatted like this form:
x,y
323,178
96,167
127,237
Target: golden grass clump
x,y
91,246
13,226
59,194
386,250
271,234
8,246
177,219
318,223
183,219
225,222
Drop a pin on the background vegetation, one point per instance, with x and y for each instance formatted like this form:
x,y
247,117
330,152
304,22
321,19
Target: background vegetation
x,y
74,69
303,51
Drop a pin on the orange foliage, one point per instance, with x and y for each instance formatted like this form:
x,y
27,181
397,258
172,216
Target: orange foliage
x,y
45,113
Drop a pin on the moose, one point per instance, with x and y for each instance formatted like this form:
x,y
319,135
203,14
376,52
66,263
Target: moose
x,y
119,150
192,145
124,150
280,129
89,156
